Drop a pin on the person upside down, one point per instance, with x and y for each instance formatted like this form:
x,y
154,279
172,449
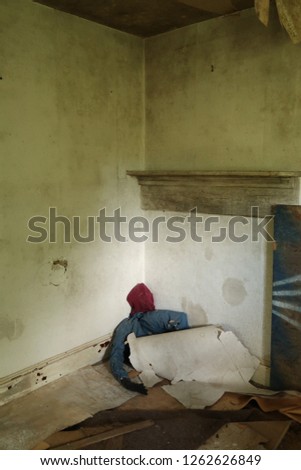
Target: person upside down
x,y
143,320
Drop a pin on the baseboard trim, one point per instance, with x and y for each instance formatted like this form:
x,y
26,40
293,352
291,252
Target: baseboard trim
x,y
42,373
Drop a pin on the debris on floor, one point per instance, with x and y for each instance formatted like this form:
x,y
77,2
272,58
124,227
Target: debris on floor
x,y
178,428
89,409
287,403
257,435
67,401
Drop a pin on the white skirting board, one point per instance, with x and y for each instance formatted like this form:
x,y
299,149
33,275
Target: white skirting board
x,y
34,377
40,374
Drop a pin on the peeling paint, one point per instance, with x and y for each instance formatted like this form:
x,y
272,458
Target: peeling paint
x,y
60,262
58,272
103,346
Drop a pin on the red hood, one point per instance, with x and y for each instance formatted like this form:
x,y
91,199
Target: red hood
x,y
141,299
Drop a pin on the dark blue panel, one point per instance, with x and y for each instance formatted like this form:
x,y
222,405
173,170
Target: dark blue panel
x,y
286,312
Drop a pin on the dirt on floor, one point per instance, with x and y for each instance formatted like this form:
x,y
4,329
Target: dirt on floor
x,y
177,428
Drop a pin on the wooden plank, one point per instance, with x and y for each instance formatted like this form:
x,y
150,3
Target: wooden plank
x,y
222,193
193,173
115,443
64,437
217,181
211,199
81,443
43,445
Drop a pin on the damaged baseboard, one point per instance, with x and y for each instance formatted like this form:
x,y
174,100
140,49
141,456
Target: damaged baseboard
x,y
34,377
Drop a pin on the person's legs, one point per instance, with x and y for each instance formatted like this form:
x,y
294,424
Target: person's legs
x,y
162,321
117,356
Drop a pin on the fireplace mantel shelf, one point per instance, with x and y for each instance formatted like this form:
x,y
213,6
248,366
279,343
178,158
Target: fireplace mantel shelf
x,y
217,192
192,174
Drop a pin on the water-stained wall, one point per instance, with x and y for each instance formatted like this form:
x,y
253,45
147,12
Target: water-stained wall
x,y
221,95
215,277
71,124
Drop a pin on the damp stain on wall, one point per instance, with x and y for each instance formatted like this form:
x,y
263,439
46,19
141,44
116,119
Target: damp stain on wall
x,y
208,253
196,314
234,291
10,329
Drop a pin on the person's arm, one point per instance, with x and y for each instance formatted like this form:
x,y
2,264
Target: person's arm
x,y
117,358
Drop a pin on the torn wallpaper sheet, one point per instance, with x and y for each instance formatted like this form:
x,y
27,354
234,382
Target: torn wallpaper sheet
x,y
198,395
205,354
195,395
202,364
62,403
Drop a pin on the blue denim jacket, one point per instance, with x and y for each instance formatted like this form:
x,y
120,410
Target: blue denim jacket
x,y
142,324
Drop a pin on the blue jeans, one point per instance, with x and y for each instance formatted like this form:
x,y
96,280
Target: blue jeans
x,y
142,324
